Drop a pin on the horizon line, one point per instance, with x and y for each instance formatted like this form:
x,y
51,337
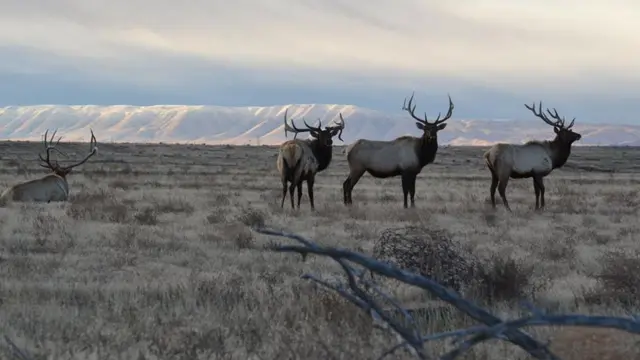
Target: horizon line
x,y
187,143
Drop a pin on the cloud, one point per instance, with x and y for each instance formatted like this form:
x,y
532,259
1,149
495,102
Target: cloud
x,y
578,52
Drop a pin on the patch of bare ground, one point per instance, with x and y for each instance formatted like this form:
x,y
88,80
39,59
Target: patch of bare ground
x,y
153,257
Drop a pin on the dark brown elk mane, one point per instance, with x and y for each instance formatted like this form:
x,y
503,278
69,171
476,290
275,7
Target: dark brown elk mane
x,y
322,143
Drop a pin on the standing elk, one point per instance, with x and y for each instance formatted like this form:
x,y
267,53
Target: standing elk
x,y
405,156
52,187
534,159
300,160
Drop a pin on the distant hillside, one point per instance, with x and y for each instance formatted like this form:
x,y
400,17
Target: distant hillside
x,y
264,125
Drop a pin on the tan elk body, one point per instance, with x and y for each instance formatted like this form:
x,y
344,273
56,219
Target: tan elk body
x,y
51,187
405,156
300,160
534,159
295,163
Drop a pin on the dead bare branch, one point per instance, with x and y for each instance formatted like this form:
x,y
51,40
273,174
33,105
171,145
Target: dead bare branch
x,y
408,333
16,351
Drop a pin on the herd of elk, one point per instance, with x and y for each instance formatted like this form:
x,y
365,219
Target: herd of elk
x,y
52,187
406,156
300,160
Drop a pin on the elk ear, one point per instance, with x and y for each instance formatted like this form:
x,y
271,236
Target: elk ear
x,y
314,134
441,126
420,126
555,129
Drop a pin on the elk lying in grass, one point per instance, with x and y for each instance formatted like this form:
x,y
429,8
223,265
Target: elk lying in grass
x,y
534,159
405,156
52,187
300,160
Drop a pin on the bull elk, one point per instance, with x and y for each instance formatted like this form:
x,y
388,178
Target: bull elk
x,y
534,159
405,156
300,160
52,187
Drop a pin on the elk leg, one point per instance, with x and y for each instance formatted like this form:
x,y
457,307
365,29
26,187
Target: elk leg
x,y
494,186
310,182
292,187
349,184
284,192
346,190
540,183
502,187
406,184
537,190
299,193
412,189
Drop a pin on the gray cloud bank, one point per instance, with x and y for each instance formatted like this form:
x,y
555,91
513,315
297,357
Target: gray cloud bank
x,y
371,54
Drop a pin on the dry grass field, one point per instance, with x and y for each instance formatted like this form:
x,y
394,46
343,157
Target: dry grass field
x,y
153,258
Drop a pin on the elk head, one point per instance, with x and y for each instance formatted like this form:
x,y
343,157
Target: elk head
x,y
563,132
430,130
324,137
53,165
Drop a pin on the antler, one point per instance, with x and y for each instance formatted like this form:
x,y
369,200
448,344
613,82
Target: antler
x,y
46,162
93,150
338,127
294,129
411,111
559,121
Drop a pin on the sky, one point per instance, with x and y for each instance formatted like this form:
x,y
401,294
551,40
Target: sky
x,y
491,56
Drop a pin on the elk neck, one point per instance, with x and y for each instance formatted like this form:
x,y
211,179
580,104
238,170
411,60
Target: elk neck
x,y
61,174
322,153
427,150
560,151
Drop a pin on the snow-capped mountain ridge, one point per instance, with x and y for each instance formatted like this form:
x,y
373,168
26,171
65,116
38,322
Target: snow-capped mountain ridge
x,y
264,125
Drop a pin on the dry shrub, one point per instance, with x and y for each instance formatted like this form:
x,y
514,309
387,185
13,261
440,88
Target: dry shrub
x,y
216,216
428,252
43,225
48,235
243,239
240,235
333,308
252,218
120,184
181,342
618,280
504,279
97,206
556,249
433,254
146,216
583,343
220,199
175,205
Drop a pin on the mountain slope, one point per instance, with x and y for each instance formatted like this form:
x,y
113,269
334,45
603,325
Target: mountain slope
x,y
264,125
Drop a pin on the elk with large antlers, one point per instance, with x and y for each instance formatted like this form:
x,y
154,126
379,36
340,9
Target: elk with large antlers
x,y
300,160
405,156
534,159
52,187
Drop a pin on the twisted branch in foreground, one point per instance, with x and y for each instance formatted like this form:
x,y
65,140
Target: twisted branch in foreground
x,y
362,293
15,350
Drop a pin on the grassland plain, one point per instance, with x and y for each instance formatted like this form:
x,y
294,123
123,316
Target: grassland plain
x,y
152,257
